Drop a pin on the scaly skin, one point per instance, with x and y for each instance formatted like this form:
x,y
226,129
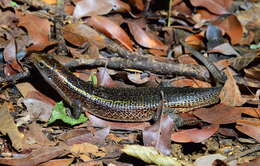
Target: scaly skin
x,y
120,104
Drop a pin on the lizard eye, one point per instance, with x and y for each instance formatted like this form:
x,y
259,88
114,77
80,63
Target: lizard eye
x,y
41,64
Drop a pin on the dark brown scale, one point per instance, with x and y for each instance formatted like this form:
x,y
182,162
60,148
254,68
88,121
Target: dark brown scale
x,y
120,104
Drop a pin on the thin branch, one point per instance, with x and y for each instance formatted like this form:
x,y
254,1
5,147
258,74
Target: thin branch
x,y
148,64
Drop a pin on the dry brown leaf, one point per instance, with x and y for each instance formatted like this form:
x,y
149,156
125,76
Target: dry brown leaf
x,y
225,49
219,7
139,4
232,27
254,112
157,52
99,7
50,1
10,55
241,62
38,34
77,137
253,72
35,135
85,149
79,34
230,94
104,78
250,127
97,122
7,126
228,132
195,40
251,15
204,15
191,82
219,114
92,7
7,18
179,6
158,135
111,29
38,105
187,59
145,38
58,162
36,157
194,135
137,78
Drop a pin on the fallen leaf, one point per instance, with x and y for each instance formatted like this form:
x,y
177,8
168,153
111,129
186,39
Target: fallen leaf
x,y
208,159
204,14
7,126
179,6
84,148
195,40
219,114
250,127
187,59
98,137
111,29
79,34
225,49
248,16
98,7
219,7
254,112
241,62
139,4
92,7
150,155
58,162
38,105
232,27
38,34
145,38
137,78
194,135
10,55
104,79
36,157
59,113
230,94
158,135
228,132
50,1
97,122
35,135
253,72
191,82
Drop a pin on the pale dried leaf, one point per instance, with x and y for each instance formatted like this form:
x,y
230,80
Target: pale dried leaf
x,y
7,126
150,155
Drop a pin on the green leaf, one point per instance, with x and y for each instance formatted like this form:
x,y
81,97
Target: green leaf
x,y
93,79
150,155
59,112
255,46
12,3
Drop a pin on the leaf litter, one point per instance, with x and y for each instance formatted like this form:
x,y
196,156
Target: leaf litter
x,y
35,132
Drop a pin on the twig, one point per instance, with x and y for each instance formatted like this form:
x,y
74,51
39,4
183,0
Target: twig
x,y
169,13
58,23
148,64
16,77
246,152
